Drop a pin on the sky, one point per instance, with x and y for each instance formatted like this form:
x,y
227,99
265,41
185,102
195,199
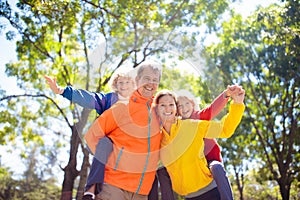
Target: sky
x,y
8,54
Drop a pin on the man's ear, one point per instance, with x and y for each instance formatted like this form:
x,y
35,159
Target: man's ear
x,y
136,80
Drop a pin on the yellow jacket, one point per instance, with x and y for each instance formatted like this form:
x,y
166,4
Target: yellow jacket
x,y
182,152
134,130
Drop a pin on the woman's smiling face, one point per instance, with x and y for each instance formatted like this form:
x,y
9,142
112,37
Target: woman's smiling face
x,y
166,108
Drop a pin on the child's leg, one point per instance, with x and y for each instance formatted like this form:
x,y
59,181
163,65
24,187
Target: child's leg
x,y
213,194
165,184
153,195
96,175
219,174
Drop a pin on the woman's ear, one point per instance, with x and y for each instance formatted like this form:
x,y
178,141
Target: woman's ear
x,y
157,115
156,110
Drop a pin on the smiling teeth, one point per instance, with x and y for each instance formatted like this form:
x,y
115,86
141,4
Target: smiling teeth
x,y
150,89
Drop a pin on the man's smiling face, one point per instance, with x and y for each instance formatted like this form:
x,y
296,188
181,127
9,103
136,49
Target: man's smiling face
x,y
147,82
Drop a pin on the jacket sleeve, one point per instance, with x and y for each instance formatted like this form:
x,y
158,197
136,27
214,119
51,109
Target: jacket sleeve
x,y
214,108
86,99
226,127
218,104
101,127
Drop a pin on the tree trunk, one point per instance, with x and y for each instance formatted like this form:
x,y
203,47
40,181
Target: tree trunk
x,y
70,170
285,186
239,182
83,174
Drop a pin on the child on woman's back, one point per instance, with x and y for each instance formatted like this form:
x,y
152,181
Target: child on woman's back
x,y
188,109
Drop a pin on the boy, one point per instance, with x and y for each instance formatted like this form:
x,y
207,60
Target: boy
x,y
122,85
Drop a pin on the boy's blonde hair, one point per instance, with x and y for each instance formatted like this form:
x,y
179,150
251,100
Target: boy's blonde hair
x,y
189,96
115,77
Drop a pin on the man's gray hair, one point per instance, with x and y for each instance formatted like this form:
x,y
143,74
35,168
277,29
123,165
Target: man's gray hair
x,y
153,65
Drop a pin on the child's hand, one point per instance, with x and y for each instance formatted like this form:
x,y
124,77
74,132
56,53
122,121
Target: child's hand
x,y
238,96
232,90
54,87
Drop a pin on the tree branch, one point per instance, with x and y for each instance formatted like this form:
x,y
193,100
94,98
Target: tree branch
x,y
102,8
38,95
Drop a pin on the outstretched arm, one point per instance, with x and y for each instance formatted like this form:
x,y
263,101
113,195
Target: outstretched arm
x,y
226,127
98,101
218,103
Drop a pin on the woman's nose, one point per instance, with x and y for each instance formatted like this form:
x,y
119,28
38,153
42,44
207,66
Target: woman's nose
x,y
169,108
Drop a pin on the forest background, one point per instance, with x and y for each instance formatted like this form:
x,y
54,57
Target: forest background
x,y
82,42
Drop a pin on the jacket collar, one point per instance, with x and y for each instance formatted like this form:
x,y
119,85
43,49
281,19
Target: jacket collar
x,y
138,98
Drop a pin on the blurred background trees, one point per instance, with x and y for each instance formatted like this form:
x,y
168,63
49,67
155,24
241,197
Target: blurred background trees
x,y
82,43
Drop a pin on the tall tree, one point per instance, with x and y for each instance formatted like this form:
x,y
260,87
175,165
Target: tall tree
x,y
262,53
55,38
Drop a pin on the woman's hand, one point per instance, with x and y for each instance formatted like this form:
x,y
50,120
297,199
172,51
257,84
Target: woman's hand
x,y
239,95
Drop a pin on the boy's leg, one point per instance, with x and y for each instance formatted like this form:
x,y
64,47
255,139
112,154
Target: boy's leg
x,y
96,175
153,195
219,174
165,184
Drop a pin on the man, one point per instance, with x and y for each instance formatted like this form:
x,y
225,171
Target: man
x,y
134,131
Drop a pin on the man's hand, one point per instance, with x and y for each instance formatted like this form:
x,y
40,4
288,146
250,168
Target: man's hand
x,y
53,85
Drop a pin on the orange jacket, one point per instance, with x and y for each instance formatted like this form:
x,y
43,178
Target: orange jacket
x,y
134,130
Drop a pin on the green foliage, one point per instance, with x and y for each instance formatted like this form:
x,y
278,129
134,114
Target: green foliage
x,y
176,79
26,189
56,38
262,54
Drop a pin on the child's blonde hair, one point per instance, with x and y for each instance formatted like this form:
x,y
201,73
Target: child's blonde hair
x,y
189,96
115,77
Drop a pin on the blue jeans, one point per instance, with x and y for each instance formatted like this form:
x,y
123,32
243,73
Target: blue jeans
x,y
210,195
103,150
221,179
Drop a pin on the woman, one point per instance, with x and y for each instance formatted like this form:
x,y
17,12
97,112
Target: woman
x,y
182,145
